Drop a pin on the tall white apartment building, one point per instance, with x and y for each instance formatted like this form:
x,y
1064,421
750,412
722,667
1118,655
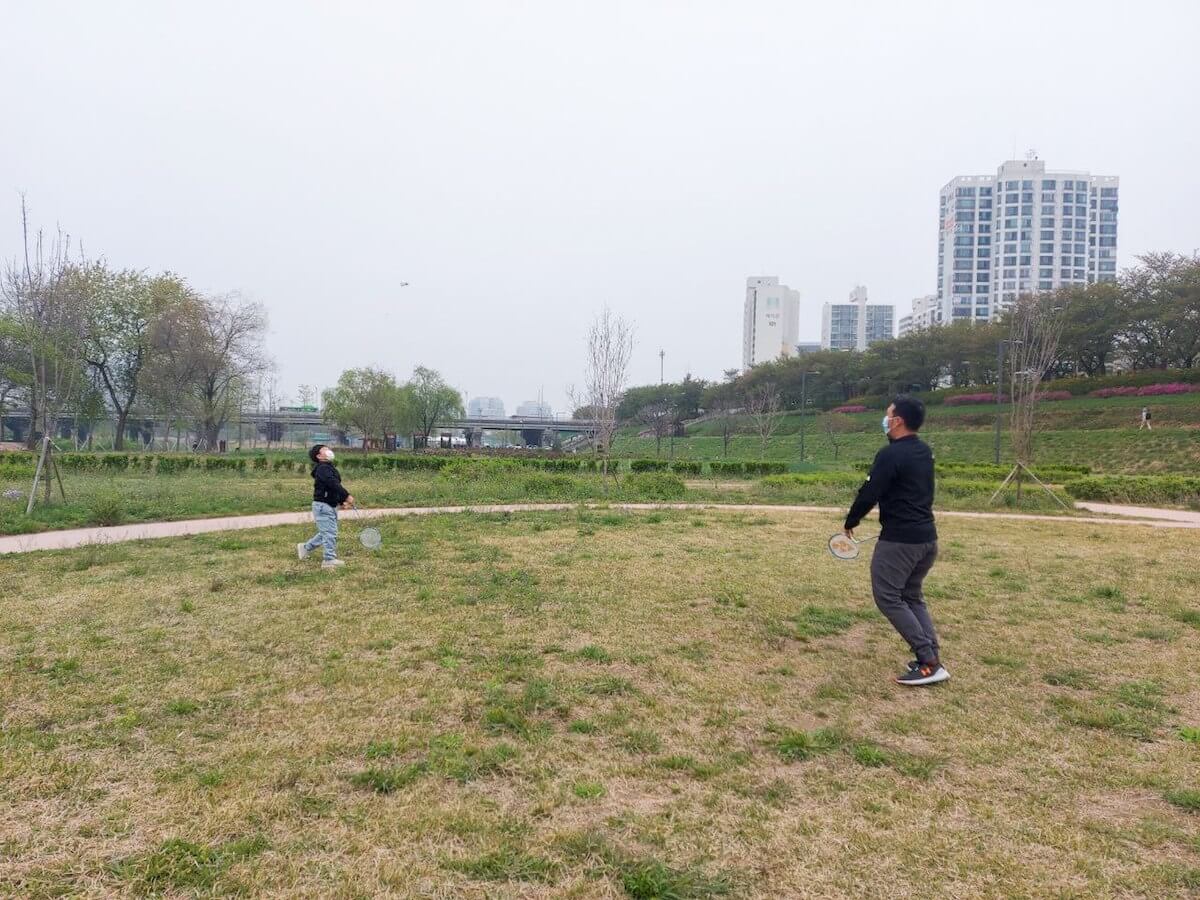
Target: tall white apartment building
x,y
485,408
925,313
856,325
1023,230
770,321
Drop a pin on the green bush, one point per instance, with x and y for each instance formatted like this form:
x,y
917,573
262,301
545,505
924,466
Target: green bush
x,y
647,465
765,468
106,509
1180,490
727,467
260,463
686,467
788,482
655,486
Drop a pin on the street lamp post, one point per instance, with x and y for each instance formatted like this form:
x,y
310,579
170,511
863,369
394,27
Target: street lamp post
x,y
803,406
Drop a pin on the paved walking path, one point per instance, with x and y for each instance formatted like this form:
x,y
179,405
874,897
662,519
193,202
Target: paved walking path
x,y
79,537
1143,512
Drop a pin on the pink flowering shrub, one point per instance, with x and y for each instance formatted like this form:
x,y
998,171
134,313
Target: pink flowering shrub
x,y
1158,390
1054,395
973,399
852,408
1150,390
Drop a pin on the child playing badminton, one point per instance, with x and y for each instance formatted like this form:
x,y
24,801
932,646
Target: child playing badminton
x,y
901,482
328,496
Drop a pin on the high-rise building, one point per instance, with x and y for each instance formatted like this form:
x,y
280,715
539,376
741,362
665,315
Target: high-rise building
x,y
856,325
1023,230
924,314
535,409
770,322
485,407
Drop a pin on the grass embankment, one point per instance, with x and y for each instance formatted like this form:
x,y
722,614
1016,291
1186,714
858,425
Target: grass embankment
x,y
1100,433
128,497
599,704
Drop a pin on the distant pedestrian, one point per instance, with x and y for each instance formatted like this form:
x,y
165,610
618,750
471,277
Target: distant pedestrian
x,y
328,497
901,481
1146,419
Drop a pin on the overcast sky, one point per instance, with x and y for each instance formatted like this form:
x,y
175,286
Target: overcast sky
x,y
522,164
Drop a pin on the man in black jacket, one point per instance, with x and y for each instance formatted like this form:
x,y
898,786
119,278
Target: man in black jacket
x,y
901,482
328,496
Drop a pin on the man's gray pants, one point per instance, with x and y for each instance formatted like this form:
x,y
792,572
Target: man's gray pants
x,y
897,571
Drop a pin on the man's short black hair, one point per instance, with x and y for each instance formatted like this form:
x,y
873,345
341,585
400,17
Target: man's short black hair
x,y
911,410
317,448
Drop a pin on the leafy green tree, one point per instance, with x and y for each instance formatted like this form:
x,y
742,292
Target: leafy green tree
x,y
370,402
1092,327
121,320
432,400
1162,309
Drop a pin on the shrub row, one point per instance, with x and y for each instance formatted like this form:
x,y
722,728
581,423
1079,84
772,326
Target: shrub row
x,y
1147,489
1150,390
850,408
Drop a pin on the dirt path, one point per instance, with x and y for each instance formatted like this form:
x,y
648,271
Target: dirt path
x,y
79,537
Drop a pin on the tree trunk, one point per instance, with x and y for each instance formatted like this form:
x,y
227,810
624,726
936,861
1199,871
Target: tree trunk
x,y
119,439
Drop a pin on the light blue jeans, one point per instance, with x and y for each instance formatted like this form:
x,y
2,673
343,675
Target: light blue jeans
x,y
327,528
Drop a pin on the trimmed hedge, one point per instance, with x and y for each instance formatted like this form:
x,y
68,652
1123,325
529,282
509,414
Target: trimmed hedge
x,y
1145,489
655,485
687,467
648,465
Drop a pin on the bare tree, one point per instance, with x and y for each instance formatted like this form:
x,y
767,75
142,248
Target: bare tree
x,y
606,370
660,417
831,432
1036,324
46,308
207,350
765,409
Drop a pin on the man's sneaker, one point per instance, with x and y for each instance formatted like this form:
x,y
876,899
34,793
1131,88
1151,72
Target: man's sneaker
x,y
913,664
923,674
302,551
332,564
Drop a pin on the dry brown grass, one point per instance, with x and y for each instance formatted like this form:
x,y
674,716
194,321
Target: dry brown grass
x,y
598,705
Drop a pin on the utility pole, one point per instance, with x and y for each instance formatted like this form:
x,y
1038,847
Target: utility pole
x,y
662,356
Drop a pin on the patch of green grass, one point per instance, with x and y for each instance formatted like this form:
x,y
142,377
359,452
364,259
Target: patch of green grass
x,y
869,754
1191,735
641,740
588,790
183,865
796,746
505,864
592,653
642,877
607,685
1186,798
815,621
387,780
1187,616
1072,678
182,706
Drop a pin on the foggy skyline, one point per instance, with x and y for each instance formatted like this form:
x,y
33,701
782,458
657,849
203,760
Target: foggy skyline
x,y
521,165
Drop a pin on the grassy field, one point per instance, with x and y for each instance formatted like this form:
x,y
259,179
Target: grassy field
x,y
1088,431
122,497
599,705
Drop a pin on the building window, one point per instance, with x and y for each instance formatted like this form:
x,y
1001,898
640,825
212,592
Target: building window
x,y
1108,192
1049,184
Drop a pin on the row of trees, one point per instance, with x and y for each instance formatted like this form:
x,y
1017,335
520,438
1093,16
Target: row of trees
x,y
1148,319
81,339
373,403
